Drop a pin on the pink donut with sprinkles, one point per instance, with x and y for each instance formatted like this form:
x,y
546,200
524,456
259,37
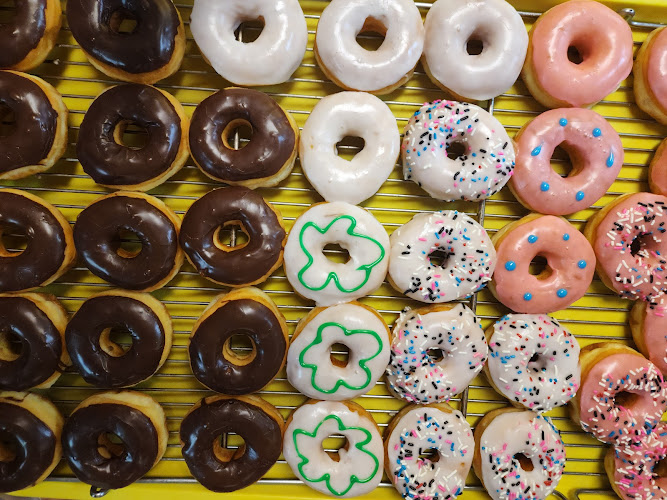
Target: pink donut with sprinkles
x,y
595,150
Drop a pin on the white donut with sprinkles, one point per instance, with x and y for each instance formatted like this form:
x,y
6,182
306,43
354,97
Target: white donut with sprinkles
x,y
440,257
436,351
457,151
533,361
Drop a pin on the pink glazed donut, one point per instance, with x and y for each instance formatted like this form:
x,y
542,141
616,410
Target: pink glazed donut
x,y
651,76
649,331
595,150
579,52
657,171
622,395
569,271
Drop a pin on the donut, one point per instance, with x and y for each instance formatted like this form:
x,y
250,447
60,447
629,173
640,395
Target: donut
x,y
566,276
38,322
627,236
440,256
30,449
579,52
595,151
453,27
245,311
28,36
153,50
648,331
240,265
270,59
135,418
622,395
315,277
636,472
421,432
456,151
102,362
518,454
351,66
351,471
657,171
112,163
265,160
223,469
533,361
49,250
353,114
650,74
312,369
98,231
436,351
38,137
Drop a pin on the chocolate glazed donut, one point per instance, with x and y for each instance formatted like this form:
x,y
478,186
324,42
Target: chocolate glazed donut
x,y
24,32
242,265
258,423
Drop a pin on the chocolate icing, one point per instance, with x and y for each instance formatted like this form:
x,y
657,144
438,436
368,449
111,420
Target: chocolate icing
x,y
95,365
148,48
241,266
96,236
271,146
23,33
36,122
201,427
35,444
113,164
80,444
41,342
45,248
238,317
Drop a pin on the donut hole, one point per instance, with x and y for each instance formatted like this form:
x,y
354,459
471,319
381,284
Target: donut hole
x,y
565,162
575,55
249,30
239,349
116,341
524,462
333,444
539,267
626,399
131,135
237,134
660,468
232,235
339,354
9,447
372,34
7,120
228,447
430,454
109,445
336,253
435,354
640,243
13,240
128,244
349,147
537,363
7,11
474,45
439,258
456,150
123,22
11,346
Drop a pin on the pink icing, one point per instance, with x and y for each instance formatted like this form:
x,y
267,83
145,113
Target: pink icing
x,y
587,137
604,41
568,254
656,68
655,337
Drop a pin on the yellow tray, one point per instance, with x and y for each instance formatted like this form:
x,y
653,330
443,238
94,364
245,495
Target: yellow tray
x,y
598,316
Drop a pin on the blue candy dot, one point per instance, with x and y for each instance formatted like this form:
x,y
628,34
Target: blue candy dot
x,y
544,186
580,195
597,132
561,293
510,265
563,122
532,238
582,264
536,151
566,236
527,296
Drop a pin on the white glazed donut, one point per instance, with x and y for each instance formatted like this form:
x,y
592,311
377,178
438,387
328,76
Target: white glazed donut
x,y
416,429
506,436
312,371
314,276
533,361
469,258
486,153
269,60
414,373
355,114
359,468
451,24
351,66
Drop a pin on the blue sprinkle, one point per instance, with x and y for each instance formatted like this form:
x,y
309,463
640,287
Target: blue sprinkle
x,y
580,195
566,236
562,122
582,264
610,160
562,293
527,296
597,132
537,150
510,265
544,186
532,238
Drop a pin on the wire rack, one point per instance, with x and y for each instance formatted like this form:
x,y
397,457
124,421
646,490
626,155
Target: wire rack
x,y
598,316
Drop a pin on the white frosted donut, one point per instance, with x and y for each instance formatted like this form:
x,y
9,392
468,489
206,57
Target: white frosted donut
x,y
416,429
417,374
358,469
314,276
496,25
312,371
503,438
355,114
269,60
468,257
351,66
533,361
485,160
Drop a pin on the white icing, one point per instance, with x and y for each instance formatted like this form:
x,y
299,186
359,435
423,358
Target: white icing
x,y
470,263
269,60
485,166
360,69
425,428
416,376
354,114
359,469
451,23
363,332
327,282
